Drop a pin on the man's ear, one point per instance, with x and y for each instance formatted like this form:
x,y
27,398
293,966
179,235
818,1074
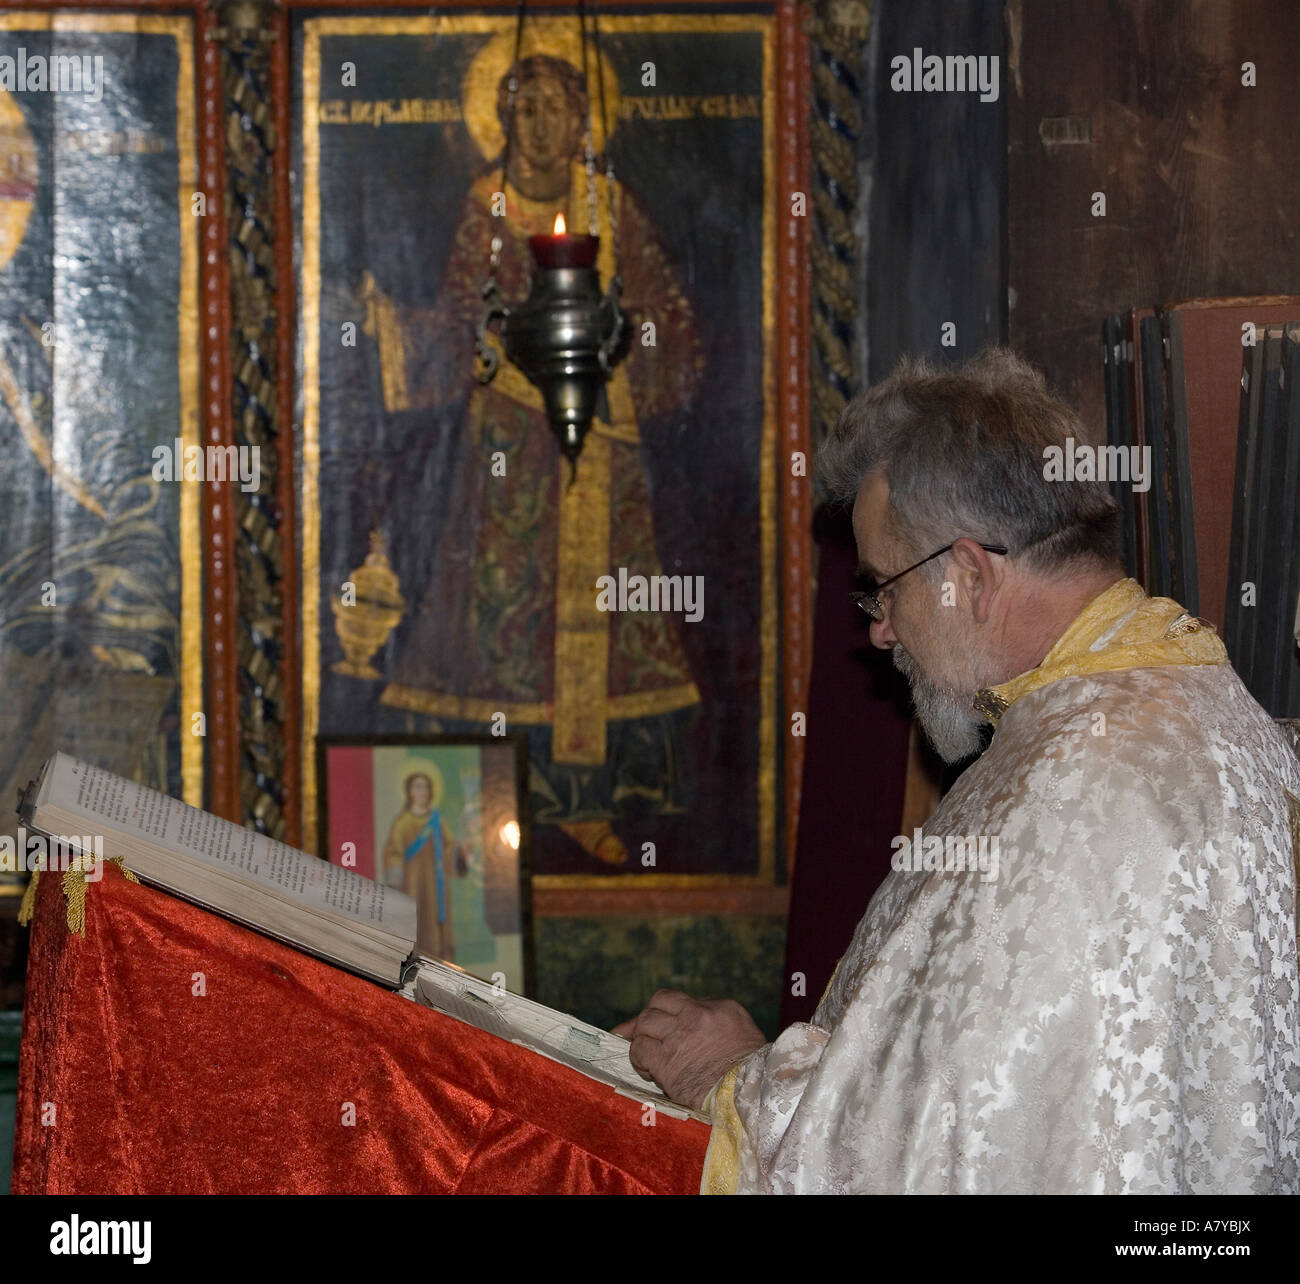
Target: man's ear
x,y
979,577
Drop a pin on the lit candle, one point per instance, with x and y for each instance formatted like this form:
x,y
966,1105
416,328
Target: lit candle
x,y
563,249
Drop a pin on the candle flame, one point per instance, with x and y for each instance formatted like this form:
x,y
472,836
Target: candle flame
x,y
559,224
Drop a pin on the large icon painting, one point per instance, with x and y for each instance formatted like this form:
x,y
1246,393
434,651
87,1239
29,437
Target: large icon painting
x,y
452,567
101,629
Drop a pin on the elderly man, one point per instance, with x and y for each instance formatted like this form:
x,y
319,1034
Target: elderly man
x,y
1112,1003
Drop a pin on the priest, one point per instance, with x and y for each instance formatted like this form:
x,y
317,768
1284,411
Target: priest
x,y
1112,1005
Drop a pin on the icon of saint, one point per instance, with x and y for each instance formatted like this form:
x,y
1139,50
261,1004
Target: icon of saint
x,y
509,622
421,857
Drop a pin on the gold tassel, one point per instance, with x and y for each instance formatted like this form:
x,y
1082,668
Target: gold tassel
x,y
74,888
28,903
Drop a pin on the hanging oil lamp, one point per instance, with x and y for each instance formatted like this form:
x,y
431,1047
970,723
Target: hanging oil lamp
x,y
563,337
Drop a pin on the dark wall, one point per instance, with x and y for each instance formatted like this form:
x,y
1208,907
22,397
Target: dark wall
x,y
931,218
978,213
935,228
1198,170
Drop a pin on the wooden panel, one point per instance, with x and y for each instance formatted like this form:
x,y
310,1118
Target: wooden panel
x,y
1209,333
934,252
1196,168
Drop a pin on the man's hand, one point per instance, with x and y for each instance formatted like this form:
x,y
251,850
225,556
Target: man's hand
x,y
686,1045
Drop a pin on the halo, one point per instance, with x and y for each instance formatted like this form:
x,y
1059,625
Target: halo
x,y
424,768
555,36
18,174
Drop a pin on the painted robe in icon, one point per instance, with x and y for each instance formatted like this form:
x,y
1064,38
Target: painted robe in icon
x,y
421,862
508,622
1118,1011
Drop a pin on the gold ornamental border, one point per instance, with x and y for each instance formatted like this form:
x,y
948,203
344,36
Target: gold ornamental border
x,y
313,29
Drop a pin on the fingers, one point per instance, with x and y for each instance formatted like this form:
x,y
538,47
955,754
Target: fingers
x,y
671,1001
685,1044
646,1031
654,1023
646,1054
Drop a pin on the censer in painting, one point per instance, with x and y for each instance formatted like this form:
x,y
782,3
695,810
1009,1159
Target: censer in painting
x,y
565,336
363,625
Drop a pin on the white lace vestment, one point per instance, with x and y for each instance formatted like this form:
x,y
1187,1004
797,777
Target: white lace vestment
x,y
1117,1012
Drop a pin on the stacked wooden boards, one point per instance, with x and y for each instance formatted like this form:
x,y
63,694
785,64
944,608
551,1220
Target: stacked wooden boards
x,y
1203,386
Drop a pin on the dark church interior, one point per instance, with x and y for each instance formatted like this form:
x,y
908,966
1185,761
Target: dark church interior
x,y
417,421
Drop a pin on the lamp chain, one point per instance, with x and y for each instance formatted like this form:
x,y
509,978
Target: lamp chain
x,y
512,88
604,128
589,148
604,133
593,221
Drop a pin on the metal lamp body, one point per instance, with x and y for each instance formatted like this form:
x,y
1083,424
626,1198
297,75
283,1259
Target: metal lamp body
x,y
562,337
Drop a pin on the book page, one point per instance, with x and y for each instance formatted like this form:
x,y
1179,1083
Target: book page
x,y
133,809
596,1053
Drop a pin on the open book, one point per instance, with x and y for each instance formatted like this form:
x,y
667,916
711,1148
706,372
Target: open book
x,y
323,909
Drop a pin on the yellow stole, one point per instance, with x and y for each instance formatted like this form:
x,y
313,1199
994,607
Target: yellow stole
x,y
1121,628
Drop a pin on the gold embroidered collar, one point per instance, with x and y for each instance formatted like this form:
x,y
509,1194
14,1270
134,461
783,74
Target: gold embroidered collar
x,y
1122,628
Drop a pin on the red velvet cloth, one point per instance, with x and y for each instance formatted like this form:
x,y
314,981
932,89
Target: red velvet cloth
x,y
154,1090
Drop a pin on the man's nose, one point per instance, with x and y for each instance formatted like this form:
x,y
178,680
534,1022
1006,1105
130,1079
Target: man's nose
x,y
882,634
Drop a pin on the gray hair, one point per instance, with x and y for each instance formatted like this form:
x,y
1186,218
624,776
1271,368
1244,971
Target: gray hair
x,y
963,452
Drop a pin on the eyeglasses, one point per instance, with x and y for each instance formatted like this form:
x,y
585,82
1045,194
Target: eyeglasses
x,y
870,603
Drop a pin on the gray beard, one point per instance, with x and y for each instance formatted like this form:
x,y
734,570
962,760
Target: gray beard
x,y
949,720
